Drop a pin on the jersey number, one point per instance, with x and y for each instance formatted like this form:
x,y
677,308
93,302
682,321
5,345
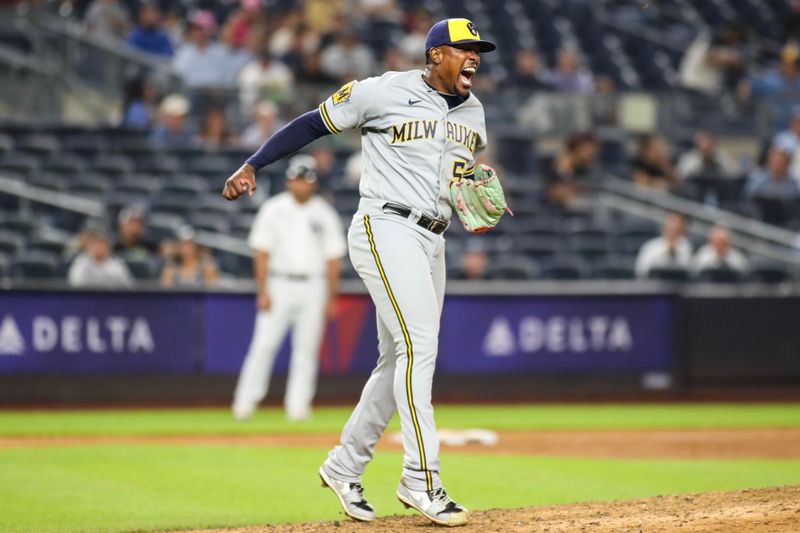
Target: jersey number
x,y
460,169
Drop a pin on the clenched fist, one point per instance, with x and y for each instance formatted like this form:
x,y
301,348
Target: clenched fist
x,y
242,181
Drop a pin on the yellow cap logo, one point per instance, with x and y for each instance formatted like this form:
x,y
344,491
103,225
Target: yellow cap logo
x,y
462,30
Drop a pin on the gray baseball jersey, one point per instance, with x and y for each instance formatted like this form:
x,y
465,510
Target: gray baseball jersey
x,y
412,143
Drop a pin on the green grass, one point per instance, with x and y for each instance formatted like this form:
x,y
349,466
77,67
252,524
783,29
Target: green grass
x,y
102,487
124,488
219,422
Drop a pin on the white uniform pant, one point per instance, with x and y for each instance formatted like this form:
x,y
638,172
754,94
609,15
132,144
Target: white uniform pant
x,y
403,268
298,304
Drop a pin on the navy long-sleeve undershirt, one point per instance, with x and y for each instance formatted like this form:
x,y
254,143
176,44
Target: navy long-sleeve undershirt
x,y
304,129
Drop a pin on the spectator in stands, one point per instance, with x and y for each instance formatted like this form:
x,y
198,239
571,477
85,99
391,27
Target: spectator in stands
x,y
652,168
473,261
172,131
412,45
788,140
729,54
139,104
394,60
266,123
191,265
717,253
96,267
528,72
778,88
148,36
671,250
131,242
569,75
383,10
705,160
783,81
573,168
200,61
245,22
347,59
773,189
791,23
215,134
172,22
107,18
264,77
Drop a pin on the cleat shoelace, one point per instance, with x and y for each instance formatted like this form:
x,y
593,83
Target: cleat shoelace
x,y
359,490
439,495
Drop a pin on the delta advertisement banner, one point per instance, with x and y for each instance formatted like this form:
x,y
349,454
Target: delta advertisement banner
x,y
141,333
75,332
505,335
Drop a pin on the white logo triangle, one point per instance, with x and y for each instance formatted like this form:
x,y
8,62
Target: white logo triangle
x,y
11,341
499,340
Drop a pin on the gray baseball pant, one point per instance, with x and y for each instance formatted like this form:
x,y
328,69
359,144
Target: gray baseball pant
x,y
403,267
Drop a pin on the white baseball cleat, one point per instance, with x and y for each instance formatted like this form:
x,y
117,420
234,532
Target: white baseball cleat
x,y
351,497
434,505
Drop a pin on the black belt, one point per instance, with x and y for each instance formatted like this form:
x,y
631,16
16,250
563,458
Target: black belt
x,y
435,225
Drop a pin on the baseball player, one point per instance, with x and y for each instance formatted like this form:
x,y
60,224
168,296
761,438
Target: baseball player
x,y
420,133
298,242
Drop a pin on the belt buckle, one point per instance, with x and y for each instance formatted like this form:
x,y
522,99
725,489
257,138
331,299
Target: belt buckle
x,y
436,226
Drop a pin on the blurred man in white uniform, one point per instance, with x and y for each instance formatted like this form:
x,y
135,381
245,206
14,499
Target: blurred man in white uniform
x,y
298,242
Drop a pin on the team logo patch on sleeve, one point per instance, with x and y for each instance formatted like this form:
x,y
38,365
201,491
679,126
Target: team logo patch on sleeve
x,y
343,94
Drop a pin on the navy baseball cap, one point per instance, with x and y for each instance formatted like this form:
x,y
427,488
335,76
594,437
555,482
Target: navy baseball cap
x,y
456,31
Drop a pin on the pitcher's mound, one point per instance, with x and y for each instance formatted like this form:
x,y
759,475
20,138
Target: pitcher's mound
x,y
768,510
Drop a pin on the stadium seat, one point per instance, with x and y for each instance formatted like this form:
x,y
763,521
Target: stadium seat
x,y
86,145
69,164
719,275
613,267
538,247
186,185
38,145
21,222
214,222
10,241
675,274
511,266
766,271
34,266
112,165
141,268
6,144
48,244
565,268
24,164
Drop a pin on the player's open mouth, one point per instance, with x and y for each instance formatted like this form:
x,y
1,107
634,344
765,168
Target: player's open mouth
x,y
466,75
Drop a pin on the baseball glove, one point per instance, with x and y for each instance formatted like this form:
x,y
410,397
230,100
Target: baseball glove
x,y
479,202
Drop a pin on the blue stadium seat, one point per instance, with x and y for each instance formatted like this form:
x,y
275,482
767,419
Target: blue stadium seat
x,y
34,266
511,266
565,268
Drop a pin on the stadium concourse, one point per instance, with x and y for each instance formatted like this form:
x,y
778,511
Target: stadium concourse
x,y
573,104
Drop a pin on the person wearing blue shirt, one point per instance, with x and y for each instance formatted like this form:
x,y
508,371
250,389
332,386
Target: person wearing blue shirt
x,y
148,36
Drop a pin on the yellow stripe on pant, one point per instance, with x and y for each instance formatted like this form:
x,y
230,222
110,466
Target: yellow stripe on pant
x,y
409,351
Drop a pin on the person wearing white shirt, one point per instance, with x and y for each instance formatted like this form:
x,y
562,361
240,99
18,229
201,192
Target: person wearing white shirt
x,y
96,267
717,253
671,250
298,241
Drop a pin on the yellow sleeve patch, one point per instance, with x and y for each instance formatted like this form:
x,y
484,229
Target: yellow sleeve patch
x,y
343,94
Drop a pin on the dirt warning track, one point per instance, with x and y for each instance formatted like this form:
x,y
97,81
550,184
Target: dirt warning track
x,y
673,444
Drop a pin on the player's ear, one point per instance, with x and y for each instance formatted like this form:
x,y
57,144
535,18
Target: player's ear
x,y
436,55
